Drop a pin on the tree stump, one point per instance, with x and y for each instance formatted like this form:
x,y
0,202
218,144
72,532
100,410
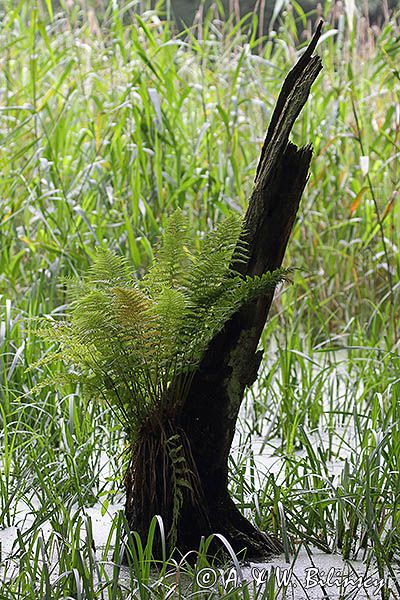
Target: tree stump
x,y
204,426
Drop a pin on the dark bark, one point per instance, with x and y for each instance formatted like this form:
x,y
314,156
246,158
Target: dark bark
x,y
206,423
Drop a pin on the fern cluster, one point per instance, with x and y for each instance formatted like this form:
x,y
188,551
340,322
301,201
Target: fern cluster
x,y
136,342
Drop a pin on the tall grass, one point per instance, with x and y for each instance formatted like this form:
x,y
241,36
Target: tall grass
x,y
106,125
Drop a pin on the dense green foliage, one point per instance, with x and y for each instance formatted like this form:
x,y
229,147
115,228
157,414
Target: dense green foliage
x,y
136,342
105,128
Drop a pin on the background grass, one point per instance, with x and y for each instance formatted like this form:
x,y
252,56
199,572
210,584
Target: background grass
x,y
105,127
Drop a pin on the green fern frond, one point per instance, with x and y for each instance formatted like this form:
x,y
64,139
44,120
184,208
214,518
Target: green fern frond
x,y
93,317
180,479
173,258
254,287
170,311
108,270
211,273
130,305
48,359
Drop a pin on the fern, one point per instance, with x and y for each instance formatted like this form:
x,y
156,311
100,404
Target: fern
x,y
180,480
173,257
108,270
136,343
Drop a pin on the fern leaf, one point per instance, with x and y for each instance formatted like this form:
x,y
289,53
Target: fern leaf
x,y
108,270
173,257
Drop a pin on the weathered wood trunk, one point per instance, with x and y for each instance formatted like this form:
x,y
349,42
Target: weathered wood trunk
x,y
206,423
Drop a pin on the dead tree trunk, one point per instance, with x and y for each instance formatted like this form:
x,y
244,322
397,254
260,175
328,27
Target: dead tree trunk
x,y
206,422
